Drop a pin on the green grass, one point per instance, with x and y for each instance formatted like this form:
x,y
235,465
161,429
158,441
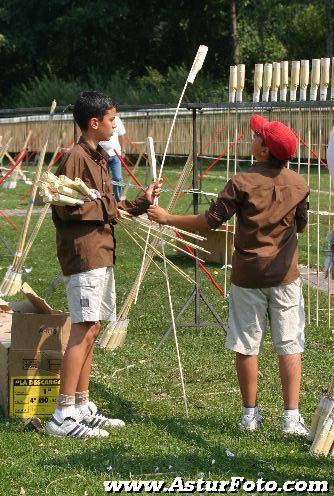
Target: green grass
x,y
158,437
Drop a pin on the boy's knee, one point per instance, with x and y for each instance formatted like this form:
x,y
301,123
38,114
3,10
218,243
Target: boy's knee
x,y
97,329
85,331
92,332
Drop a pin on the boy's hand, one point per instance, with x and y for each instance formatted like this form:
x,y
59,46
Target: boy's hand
x,y
153,191
158,214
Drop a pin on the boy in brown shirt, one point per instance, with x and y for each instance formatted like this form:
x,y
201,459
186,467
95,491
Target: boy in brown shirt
x,y
86,252
269,201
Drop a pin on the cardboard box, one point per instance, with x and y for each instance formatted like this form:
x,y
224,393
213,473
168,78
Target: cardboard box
x,y
32,345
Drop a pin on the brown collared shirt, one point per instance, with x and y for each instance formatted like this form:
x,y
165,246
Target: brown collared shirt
x,y
85,234
270,206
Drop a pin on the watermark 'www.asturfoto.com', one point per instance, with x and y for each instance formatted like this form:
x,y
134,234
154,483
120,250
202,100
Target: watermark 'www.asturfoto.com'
x,y
233,485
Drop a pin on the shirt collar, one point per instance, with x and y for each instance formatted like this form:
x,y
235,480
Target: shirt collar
x,y
97,155
265,165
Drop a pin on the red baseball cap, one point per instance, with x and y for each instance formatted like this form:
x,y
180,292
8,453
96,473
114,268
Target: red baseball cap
x,y
279,138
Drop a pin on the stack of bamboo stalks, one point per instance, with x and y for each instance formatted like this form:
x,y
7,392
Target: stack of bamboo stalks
x,y
322,429
64,191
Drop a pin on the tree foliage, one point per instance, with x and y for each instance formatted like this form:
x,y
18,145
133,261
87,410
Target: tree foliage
x,y
143,48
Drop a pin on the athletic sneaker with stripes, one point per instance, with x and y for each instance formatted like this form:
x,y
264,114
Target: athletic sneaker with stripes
x,y
92,417
73,427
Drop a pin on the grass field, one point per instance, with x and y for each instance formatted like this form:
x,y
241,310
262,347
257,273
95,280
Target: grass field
x,y
159,442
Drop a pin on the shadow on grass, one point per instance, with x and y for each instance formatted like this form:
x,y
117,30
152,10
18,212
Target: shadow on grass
x,y
195,451
197,459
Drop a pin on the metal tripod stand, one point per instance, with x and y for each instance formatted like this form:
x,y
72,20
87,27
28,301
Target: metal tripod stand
x,y
197,295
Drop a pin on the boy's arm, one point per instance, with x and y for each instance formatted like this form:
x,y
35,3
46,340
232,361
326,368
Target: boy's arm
x,y
141,204
135,207
188,222
301,215
220,211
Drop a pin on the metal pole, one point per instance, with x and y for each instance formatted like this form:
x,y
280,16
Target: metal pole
x,y
196,211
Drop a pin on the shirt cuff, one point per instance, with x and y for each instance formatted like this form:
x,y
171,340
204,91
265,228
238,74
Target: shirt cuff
x,y
213,220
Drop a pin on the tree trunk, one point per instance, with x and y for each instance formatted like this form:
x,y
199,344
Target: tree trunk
x,y
234,33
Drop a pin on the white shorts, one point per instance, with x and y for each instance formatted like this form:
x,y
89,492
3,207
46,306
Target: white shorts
x,y
248,311
91,295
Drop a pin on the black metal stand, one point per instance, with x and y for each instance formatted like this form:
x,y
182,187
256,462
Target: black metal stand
x,y
199,162
197,295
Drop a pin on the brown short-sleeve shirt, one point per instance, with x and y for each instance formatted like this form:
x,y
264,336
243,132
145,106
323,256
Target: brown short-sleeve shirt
x,y
270,206
85,234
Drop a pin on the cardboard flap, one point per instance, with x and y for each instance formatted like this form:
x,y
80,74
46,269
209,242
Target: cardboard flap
x,y
39,303
5,329
4,306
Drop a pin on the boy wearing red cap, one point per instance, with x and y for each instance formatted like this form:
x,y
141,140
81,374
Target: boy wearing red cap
x,y
269,201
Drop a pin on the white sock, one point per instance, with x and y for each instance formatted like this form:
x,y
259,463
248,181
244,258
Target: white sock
x,y
65,407
81,401
250,410
291,414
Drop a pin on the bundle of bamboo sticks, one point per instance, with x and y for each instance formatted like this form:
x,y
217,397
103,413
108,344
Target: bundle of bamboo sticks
x,y
313,79
322,429
12,282
64,191
115,333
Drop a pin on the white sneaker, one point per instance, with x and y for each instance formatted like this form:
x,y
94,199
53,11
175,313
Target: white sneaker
x,y
291,425
251,422
73,427
95,418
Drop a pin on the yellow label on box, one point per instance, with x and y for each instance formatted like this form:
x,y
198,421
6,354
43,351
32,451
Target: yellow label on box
x,y
33,395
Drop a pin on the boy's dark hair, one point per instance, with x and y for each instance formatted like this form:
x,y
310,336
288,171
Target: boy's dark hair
x,y
277,162
91,104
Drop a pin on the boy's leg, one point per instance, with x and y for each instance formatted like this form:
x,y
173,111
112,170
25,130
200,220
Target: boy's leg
x,y
83,381
92,417
247,371
287,322
290,367
83,291
246,330
78,349
66,420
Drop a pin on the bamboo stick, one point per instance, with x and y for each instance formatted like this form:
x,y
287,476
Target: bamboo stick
x,y
304,79
276,81
141,220
141,247
284,68
19,158
258,77
34,235
124,312
12,281
175,246
329,270
5,148
227,178
295,74
308,222
152,247
318,219
173,236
